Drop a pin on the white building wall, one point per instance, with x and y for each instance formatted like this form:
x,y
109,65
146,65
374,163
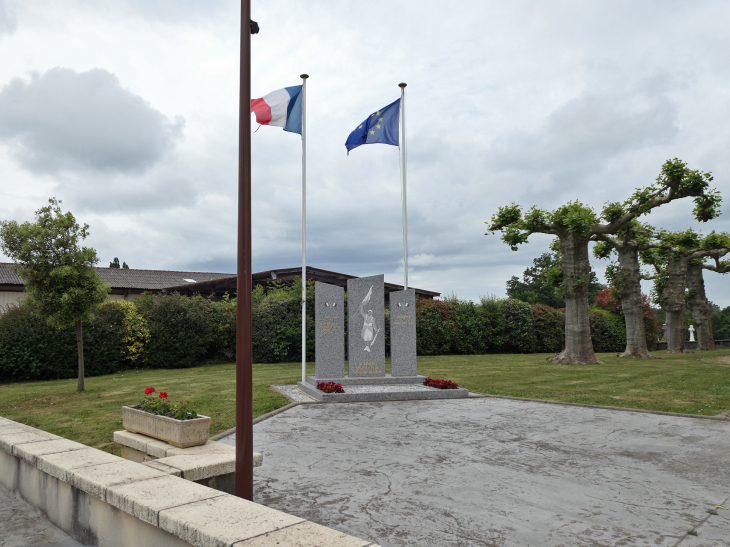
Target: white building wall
x,y
10,297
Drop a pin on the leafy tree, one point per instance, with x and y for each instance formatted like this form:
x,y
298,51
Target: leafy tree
x,y
534,287
721,324
59,275
115,264
683,251
576,224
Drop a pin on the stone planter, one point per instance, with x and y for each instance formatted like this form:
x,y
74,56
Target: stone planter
x,y
180,433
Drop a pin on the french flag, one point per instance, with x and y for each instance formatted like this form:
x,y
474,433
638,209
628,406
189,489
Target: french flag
x,y
281,108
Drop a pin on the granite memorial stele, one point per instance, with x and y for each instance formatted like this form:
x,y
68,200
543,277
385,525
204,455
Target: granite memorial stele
x,y
329,327
403,333
366,326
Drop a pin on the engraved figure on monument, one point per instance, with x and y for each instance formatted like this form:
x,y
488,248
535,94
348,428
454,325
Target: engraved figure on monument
x,y
369,331
366,355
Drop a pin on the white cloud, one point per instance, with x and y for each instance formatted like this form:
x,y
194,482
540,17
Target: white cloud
x,y
67,121
537,103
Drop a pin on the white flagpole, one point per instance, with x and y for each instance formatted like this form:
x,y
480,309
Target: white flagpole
x,y
304,227
403,179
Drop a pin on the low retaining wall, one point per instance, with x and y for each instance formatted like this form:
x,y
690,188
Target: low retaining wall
x,y
101,499
719,344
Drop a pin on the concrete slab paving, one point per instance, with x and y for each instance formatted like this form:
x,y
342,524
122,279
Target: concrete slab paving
x,y
23,526
496,472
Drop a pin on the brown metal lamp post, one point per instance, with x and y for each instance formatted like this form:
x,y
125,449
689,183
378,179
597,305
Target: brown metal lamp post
x,y
244,353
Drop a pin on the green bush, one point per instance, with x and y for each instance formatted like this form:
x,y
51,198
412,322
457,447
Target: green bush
x,y
277,324
31,349
721,324
492,330
223,336
519,326
549,329
608,331
181,330
114,339
436,326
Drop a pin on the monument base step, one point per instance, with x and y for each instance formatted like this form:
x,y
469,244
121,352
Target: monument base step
x,y
383,392
369,381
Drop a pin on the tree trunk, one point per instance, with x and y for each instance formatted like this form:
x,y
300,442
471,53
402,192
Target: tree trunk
x,y
80,347
628,287
576,270
672,302
699,307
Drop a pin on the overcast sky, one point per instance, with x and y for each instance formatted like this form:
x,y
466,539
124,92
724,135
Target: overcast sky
x,y
127,110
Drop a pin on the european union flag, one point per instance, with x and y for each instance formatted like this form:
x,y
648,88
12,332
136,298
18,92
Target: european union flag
x,y
381,126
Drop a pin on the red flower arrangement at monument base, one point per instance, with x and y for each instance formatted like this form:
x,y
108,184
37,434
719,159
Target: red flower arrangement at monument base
x,y
440,384
330,387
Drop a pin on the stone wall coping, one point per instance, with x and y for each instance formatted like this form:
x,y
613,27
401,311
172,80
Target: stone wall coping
x,y
195,463
154,494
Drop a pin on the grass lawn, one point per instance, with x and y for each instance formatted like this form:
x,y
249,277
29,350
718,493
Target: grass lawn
x,y
695,383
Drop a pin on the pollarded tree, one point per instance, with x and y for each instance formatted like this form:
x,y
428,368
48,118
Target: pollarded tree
x,y
697,302
625,278
59,274
674,262
576,224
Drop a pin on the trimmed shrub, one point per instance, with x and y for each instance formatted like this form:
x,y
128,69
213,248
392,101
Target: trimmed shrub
x,y
31,349
277,324
468,338
608,331
492,331
223,336
519,326
181,330
549,329
436,326
114,339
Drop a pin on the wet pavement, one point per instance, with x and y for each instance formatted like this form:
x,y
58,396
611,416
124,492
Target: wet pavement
x,y
23,526
498,472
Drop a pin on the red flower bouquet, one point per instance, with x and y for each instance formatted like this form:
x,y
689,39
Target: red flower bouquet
x,y
330,387
440,384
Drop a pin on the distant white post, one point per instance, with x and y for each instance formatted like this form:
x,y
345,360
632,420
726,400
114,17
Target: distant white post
x,y
304,227
403,170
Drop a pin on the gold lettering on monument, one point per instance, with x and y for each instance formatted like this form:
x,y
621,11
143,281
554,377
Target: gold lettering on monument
x,y
403,320
330,325
366,367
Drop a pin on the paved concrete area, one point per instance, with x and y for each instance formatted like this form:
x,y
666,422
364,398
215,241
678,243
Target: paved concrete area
x,y
498,472
23,526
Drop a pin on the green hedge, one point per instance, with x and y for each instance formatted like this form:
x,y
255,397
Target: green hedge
x,y
174,331
608,331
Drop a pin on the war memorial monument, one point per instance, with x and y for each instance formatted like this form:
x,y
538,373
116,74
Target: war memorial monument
x,y
366,379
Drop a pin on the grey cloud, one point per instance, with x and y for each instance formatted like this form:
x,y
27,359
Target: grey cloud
x,y
68,121
8,20
590,130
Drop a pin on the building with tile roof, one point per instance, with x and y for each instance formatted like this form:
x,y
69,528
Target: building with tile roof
x,y
131,283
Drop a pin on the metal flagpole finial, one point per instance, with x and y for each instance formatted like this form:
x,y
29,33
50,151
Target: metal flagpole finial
x,y
402,84
304,76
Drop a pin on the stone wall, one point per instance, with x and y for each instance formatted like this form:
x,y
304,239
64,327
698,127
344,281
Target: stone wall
x,y
719,344
101,499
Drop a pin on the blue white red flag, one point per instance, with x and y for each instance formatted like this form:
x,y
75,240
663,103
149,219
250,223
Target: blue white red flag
x,y
280,108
